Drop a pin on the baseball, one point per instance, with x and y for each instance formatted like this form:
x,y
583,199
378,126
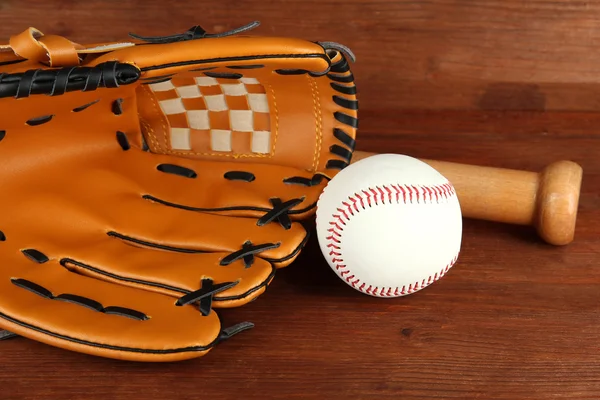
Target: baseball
x,y
389,225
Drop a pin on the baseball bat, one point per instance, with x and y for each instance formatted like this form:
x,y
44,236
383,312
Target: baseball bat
x,y
547,200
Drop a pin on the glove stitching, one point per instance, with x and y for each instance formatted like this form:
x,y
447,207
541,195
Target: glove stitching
x,y
165,130
148,126
318,119
276,112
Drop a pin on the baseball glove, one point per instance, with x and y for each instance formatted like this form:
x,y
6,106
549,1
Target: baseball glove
x,y
146,183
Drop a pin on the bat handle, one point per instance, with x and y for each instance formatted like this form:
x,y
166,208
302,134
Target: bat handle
x,y
547,200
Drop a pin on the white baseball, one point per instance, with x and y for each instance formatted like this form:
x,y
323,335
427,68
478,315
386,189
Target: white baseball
x,y
389,225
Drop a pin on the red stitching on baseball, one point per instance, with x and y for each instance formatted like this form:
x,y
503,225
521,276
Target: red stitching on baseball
x,y
381,194
349,208
438,193
374,193
362,204
397,190
339,228
409,193
417,192
343,212
389,192
332,230
371,195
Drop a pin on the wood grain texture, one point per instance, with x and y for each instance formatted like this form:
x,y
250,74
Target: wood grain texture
x,y
503,83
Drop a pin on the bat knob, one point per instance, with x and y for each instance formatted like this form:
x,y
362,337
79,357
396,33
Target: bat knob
x,y
557,202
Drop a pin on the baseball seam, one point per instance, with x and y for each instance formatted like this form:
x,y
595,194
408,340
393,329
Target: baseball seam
x,y
380,195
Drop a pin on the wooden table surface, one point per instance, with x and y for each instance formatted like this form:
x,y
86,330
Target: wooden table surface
x,y
501,83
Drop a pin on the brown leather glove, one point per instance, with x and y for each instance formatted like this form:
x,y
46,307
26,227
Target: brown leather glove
x,y
145,183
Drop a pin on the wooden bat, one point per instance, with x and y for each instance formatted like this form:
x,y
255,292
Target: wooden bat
x,y
547,200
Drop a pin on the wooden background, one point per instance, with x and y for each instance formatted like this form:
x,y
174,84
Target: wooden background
x,y
504,83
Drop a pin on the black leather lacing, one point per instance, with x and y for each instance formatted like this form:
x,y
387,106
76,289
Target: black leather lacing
x,y
283,71
345,103
223,75
346,119
5,335
303,181
195,32
234,330
85,106
11,62
39,120
79,300
345,50
280,212
345,89
344,138
247,253
177,170
202,69
244,176
117,106
35,256
122,140
204,295
58,81
341,152
342,81
250,66
337,71
340,66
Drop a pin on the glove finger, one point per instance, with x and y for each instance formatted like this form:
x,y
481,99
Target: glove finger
x,y
154,225
171,273
49,303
